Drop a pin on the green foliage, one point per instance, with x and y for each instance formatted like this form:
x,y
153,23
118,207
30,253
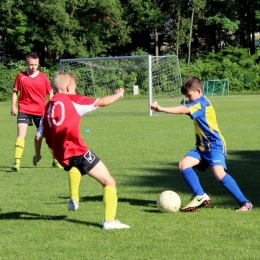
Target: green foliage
x,y
103,76
7,78
226,23
61,28
8,74
234,64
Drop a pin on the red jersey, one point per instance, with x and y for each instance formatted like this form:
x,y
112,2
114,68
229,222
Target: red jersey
x,y
61,123
33,91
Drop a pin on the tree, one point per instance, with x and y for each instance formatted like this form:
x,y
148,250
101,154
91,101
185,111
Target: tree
x,y
55,29
196,7
147,17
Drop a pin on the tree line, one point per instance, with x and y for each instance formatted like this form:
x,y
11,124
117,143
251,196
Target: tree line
x,y
86,28
214,39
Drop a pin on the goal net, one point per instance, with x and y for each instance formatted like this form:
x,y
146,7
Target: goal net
x,y
145,79
218,87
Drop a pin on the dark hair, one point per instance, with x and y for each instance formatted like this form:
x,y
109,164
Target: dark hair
x,y
33,55
191,83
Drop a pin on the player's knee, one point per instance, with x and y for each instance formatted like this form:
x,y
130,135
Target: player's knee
x,y
109,182
181,165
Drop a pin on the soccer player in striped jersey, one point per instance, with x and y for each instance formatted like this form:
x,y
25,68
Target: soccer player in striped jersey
x,y
33,86
60,123
210,148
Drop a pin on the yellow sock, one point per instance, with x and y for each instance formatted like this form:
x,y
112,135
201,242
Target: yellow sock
x,y
110,201
19,146
74,182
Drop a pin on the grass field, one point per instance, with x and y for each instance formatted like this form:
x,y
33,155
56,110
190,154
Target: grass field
x,y
142,153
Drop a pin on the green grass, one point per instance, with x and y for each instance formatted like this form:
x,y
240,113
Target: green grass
x,y
142,153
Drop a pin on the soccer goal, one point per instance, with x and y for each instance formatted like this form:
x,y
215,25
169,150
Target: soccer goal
x,y
218,87
145,79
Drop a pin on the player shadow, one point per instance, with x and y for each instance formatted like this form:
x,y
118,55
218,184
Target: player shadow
x,y
133,202
130,201
243,166
33,216
8,168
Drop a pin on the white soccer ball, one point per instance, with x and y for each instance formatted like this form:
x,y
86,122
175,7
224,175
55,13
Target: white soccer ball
x,y
168,202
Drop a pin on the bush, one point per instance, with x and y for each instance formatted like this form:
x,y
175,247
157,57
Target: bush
x,y
7,77
8,74
234,64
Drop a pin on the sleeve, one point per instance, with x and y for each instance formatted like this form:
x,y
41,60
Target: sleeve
x,y
196,110
16,82
49,88
83,105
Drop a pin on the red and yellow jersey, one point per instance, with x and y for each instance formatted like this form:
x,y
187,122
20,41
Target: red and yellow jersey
x,y
61,125
33,92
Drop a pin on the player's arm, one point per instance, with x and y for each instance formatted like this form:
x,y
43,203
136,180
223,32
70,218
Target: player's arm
x,y
50,95
105,101
170,110
13,103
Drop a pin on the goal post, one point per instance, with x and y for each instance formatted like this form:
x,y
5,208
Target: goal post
x,y
143,77
217,87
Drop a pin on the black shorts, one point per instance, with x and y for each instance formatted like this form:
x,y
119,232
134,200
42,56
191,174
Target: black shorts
x,y
28,119
84,163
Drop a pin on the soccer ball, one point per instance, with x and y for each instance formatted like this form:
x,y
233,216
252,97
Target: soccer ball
x,y
168,202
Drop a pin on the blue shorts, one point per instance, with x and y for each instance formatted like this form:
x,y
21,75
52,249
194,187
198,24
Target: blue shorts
x,y
208,159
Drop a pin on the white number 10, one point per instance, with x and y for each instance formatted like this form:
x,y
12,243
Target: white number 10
x,y
51,114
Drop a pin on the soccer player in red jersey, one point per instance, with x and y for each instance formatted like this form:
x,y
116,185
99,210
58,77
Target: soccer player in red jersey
x,y
60,127
33,87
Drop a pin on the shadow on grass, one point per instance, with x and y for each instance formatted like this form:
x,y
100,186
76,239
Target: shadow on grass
x,y
7,169
133,202
21,215
151,204
243,166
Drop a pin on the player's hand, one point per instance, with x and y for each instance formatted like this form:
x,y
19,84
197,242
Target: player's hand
x,y
154,106
120,91
13,111
36,159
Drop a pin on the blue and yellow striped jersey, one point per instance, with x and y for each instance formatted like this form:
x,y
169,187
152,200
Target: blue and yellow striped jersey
x,y
207,133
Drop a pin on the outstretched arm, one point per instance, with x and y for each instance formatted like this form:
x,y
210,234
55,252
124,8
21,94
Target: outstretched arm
x,y
170,110
105,101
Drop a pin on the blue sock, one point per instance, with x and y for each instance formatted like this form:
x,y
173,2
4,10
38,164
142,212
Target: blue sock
x,y
231,186
192,180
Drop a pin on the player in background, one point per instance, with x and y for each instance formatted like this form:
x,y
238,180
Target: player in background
x,y
210,149
33,86
61,123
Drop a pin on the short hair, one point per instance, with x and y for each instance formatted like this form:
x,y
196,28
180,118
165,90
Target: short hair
x,y
61,79
191,83
32,55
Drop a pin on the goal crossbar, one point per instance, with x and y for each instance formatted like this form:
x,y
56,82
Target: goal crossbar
x,y
141,76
